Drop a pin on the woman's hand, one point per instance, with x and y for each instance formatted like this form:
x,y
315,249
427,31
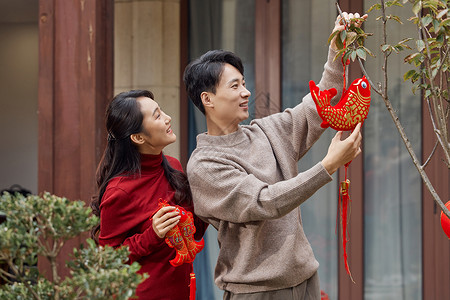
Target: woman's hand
x,y
164,220
339,24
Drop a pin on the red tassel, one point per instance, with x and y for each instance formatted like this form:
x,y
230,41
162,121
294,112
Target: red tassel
x,y
192,287
344,202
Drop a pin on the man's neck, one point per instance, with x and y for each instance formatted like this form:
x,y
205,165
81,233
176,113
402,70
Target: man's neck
x,y
216,128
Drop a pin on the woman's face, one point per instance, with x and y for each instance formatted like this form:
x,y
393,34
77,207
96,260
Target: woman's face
x,y
157,132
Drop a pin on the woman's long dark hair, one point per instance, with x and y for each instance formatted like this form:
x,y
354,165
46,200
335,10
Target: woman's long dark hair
x,y
121,156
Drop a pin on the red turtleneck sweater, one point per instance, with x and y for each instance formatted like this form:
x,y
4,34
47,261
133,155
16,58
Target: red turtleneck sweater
x,y
125,219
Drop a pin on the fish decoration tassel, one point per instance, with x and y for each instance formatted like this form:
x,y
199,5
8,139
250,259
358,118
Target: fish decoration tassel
x,y
192,286
344,205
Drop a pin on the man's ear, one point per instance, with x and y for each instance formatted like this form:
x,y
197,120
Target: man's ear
x,y
206,99
137,138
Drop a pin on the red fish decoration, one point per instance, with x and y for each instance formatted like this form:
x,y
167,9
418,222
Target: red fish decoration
x,y
181,237
352,108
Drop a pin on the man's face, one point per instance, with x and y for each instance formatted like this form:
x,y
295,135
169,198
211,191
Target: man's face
x,y
231,98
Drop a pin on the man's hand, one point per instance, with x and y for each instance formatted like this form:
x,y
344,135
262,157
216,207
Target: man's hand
x,y
341,152
339,24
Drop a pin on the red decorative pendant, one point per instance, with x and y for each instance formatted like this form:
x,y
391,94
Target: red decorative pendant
x,y
445,221
352,108
181,237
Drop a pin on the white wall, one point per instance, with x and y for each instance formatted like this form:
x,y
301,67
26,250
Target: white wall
x,y
18,103
147,54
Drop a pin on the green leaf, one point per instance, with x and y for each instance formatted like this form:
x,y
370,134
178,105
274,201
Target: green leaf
x,y
332,36
405,40
410,57
415,77
409,74
361,53
385,47
351,37
368,51
433,4
445,22
442,13
398,48
359,31
353,55
436,25
434,72
427,20
376,6
347,55
91,243
392,3
396,18
343,35
417,7
420,45
339,43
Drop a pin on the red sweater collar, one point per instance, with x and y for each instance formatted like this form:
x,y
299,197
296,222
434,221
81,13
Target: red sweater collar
x,y
151,163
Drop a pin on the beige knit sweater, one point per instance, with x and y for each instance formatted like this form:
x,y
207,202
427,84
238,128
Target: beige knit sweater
x,y
247,185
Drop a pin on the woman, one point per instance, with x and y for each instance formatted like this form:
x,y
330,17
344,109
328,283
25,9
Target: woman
x,y
132,176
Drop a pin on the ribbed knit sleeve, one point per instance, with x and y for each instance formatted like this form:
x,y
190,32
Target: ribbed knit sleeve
x,y
118,218
235,196
296,129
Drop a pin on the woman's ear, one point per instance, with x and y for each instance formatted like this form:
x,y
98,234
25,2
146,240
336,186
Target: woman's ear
x,y
137,138
206,99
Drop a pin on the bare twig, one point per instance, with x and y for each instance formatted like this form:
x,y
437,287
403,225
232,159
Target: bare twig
x,y
437,131
431,155
6,275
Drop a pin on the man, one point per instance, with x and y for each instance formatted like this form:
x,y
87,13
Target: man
x,y
245,181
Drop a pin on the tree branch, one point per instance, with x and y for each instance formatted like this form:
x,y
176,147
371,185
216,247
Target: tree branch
x,y
431,155
401,130
21,279
361,65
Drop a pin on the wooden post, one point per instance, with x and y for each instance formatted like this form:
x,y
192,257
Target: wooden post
x,y
75,85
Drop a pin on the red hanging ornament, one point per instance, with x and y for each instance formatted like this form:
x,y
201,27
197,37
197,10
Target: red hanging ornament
x,y
181,237
352,108
445,221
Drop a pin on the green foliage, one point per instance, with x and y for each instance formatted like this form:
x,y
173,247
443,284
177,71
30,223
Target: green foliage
x,y
107,276
430,59
39,226
350,42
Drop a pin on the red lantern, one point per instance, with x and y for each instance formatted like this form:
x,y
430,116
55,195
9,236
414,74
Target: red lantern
x,y
445,221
